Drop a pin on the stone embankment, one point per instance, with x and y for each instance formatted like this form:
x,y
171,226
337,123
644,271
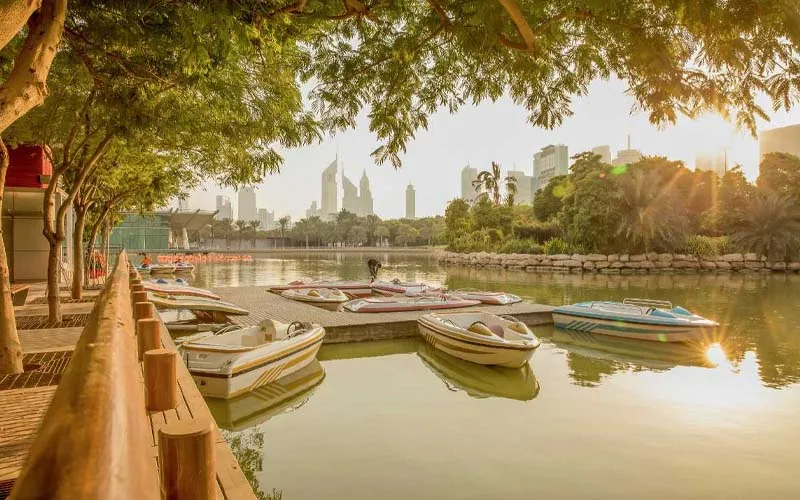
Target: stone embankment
x,y
620,263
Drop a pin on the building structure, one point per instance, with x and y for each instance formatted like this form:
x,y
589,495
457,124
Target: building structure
x,y
247,210
411,202
314,210
604,152
349,195
780,140
329,200
550,161
524,194
627,156
468,176
159,230
365,202
716,162
266,219
224,208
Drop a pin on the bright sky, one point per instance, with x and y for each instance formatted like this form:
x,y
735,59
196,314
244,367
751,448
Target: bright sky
x,y
485,133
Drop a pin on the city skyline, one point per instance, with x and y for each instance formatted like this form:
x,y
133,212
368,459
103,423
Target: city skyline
x,y
435,158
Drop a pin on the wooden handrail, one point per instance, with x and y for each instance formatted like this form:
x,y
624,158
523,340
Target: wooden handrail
x,y
94,442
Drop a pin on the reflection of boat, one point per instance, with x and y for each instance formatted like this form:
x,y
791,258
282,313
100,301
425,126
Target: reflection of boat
x,y
261,404
480,337
195,304
634,318
653,355
351,287
398,304
480,381
371,349
238,361
404,287
494,298
178,290
318,297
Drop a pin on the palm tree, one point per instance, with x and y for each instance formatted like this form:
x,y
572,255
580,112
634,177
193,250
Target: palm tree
x,y
382,232
648,212
771,227
489,181
283,222
240,224
511,189
253,226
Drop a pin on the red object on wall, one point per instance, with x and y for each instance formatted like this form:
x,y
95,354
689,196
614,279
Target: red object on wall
x,y
28,167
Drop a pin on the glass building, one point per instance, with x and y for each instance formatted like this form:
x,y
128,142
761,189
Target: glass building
x,y
142,232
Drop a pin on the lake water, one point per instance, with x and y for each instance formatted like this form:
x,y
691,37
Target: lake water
x,y
591,418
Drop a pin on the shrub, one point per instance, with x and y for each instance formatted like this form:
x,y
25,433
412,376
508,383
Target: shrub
x,y
707,246
557,245
521,246
539,231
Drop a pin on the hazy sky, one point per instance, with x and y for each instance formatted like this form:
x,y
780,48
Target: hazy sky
x,y
481,134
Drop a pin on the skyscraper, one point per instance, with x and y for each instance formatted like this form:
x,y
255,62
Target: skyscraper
x,y
524,194
224,209
365,196
779,140
714,162
266,219
468,176
604,152
411,207
549,162
330,190
627,156
247,204
350,196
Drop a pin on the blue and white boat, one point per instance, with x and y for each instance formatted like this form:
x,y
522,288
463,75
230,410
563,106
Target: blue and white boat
x,y
642,319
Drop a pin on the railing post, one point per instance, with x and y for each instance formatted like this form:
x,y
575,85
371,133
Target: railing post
x,y
187,461
137,287
148,335
143,310
160,379
137,297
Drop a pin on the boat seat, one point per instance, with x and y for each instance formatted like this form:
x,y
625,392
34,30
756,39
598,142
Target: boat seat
x,y
272,330
480,329
314,293
252,339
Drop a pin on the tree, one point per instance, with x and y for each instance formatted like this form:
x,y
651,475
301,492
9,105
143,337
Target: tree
x,y
240,225
283,223
780,172
456,219
357,235
733,199
511,189
382,233
548,201
406,234
771,227
253,225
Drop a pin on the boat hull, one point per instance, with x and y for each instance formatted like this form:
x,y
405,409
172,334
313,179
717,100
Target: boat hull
x,y
495,299
628,329
180,291
249,373
474,352
381,306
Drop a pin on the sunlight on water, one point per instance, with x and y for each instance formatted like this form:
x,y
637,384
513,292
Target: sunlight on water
x,y
591,417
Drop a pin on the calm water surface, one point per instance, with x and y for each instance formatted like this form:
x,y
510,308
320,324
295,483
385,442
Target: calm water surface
x,y
591,418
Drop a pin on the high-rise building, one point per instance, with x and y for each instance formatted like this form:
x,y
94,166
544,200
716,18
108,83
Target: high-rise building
x,y
524,194
314,210
627,156
329,205
411,202
224,209
604,152
266,219
549,162
468,176
780,140
350,196
714,162
247,204
365,202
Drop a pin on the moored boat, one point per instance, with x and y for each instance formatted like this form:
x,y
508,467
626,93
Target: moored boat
x,y
238,361
204,304
156,269
398,304
643,319
184,267
178,290
493,298
359,288
480,337
405,287
330,297
480,381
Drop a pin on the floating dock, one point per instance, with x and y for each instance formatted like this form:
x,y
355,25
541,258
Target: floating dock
x,y
344,326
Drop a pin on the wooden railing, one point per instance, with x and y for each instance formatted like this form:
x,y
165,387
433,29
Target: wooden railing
x,y
94,442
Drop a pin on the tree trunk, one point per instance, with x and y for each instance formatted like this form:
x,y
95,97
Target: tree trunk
x,y
10,348
78,257
53,283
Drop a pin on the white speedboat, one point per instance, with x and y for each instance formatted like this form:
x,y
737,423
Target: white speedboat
x,y
399,304
405,287
156,269
493,298
359,288
642,319
184,267
238,361
329,297
178,290
480,337
187,303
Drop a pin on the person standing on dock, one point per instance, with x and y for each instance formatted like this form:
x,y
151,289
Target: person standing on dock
x,y
373,265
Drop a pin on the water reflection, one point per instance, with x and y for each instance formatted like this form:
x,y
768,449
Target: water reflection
x,y
260,405
479,381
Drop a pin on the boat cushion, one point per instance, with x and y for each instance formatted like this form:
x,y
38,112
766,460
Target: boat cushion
x,y
480,329
251,339
497,330
314,293
269,329
519,327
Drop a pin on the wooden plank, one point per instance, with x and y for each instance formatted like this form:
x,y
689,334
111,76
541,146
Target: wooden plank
x,y
49,339
42,310
22,413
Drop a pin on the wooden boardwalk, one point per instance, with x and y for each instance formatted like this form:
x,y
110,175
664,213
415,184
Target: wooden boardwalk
x,y
354,327
22,413
49,339
231,481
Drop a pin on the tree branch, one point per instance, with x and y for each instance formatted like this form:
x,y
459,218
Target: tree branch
x,y
13,16
523,28
437,7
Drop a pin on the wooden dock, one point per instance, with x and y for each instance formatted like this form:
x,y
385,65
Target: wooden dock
x,y
355,327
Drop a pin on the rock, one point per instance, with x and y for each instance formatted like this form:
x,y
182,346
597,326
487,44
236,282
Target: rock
x,y
596,257
793,266
610,271
638,258
723,265
578,257
617,265
588,265
663,264
652,256
737,265
751,257
692,265
632,265
559,256
624,258
647,265
546,262
692,258
733,257
753,264
665,257
576,270
777,266
531,261
613,257
602,264
679,256
706,264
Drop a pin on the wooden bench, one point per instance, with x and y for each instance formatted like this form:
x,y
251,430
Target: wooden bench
x,y
19,294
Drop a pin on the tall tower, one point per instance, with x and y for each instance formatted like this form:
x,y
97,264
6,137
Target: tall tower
x,y
247,204
350,201
330,204
468,176
365,196
411,202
